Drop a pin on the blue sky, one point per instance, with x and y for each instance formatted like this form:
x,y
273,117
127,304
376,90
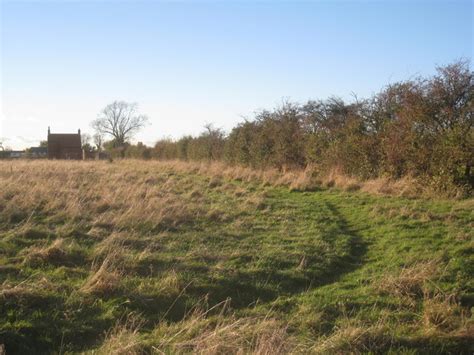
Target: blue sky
x,y
187,63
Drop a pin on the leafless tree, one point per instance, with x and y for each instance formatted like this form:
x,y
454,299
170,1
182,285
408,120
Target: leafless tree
x,y
85,139
120,120
98,140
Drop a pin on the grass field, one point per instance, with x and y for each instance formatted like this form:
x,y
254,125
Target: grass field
x,y
149,257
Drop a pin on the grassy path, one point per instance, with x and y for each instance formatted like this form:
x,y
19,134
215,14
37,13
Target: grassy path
x,y
408,256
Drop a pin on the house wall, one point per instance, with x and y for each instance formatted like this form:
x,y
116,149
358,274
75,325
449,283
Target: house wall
x,y
64,147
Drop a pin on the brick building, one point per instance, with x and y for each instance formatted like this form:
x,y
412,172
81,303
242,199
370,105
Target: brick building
x,y
64,146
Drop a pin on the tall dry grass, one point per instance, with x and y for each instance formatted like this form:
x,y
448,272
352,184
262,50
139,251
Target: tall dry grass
x,y
308,179
200,333
415,285
123,338
57,172
126,195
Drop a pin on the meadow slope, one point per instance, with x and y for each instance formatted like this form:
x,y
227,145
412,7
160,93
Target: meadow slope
x,y
138,257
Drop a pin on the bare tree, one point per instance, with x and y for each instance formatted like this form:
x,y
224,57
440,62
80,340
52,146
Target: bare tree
x,y
85,139
98,140
120,120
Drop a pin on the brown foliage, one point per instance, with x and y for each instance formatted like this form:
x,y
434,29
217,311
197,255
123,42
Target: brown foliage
x,y
421,128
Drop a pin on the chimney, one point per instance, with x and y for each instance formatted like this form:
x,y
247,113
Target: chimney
x,y
79,131
49,130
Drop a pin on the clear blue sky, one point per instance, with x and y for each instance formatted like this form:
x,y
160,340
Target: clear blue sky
x,y
191,62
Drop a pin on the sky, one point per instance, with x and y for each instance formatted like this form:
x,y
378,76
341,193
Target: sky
x,y
188,63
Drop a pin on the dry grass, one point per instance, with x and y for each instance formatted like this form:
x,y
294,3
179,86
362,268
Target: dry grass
x,y
106,279
26,291
415,285
114,248
305,179
443,314
123,338
299,180
99,192
410,281
55,253
335,178
406,186
354,339
200,333
245,335
170,282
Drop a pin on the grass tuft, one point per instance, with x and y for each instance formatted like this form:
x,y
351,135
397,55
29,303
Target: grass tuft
x,y
123,338
105,281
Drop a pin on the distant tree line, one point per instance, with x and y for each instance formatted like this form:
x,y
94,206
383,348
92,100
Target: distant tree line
x,y
421,127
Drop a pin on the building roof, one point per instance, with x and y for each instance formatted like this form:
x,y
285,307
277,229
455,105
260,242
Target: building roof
x,y
65,139
38,150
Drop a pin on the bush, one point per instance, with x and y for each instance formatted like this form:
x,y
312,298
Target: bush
x,y
421,128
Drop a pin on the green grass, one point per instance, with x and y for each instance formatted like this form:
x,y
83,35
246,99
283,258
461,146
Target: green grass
x,y
318,264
